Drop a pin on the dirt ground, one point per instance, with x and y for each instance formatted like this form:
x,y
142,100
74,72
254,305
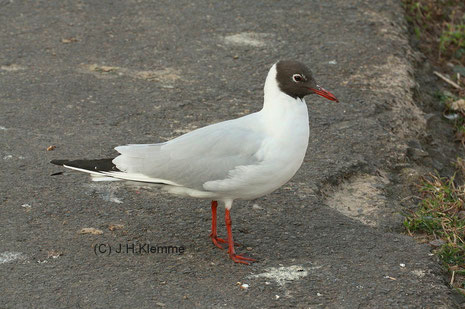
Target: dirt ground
x,y
86,76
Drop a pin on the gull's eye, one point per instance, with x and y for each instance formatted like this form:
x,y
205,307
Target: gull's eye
x,y
297,78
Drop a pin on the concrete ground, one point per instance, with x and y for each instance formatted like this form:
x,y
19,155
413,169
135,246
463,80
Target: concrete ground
x,y
86,76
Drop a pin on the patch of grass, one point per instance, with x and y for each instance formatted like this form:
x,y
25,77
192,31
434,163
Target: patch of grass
x,y
452,254
441,216
452,41
446,98
439,25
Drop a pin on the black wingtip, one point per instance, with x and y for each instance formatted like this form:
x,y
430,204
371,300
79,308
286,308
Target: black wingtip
x,y
59,162
99,165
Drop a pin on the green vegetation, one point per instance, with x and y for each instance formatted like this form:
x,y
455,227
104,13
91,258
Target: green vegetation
x,y
441,216
439,25
452,40
439,28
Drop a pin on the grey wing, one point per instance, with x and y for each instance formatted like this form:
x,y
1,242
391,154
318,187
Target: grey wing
x,y
206,154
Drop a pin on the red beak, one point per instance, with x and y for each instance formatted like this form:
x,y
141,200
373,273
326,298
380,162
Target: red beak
x,y
324,93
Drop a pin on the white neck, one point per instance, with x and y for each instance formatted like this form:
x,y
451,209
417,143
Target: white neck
x,y
279,108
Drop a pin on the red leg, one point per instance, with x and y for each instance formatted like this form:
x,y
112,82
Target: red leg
x,y
213,234
232,253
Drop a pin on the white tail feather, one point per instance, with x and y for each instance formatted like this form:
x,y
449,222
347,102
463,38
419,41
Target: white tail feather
x,y
83,170
139,177
103,178
118,176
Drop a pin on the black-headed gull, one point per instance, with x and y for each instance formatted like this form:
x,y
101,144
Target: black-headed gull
x,y
243,158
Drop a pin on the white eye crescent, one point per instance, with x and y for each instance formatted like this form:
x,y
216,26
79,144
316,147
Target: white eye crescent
x,y
297,78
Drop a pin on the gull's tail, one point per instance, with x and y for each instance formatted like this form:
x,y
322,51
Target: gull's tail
x,y
97,169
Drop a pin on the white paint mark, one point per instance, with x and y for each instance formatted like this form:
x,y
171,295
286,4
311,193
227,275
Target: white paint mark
x,y
247,39
402,265
26,206
12,68
8,157
283,275
332,62
7,257
419,273
3,128
106,191
115,200
319,294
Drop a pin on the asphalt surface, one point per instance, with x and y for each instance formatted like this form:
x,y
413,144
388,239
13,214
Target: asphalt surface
x,y
86,76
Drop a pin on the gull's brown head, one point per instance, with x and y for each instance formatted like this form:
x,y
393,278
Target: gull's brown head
x,y
296,80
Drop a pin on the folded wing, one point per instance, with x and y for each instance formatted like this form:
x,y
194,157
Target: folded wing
x,y
205,154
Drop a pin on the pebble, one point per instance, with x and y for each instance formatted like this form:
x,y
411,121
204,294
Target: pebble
x,y
256,207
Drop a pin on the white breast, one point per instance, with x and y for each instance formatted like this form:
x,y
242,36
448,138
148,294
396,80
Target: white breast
x,y
285,121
